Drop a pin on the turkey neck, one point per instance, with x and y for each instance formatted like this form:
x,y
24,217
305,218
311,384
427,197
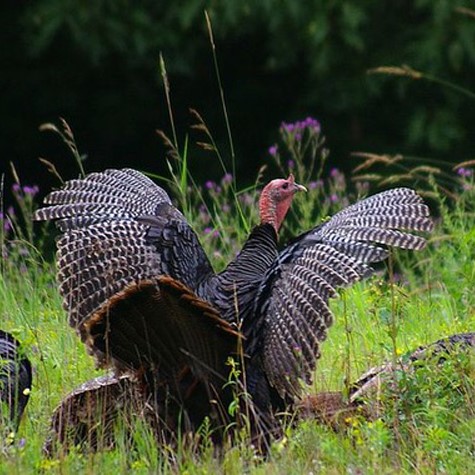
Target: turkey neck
x,y
273,210
232,290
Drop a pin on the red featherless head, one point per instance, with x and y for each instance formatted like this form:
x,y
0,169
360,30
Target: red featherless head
x,y
276,199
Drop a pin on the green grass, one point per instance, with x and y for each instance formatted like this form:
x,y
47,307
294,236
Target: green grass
x,y
374,322
428,424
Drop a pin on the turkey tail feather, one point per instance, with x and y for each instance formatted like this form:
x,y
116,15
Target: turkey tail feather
x,y
161,324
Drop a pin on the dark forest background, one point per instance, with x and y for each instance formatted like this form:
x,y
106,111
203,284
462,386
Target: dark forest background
x,y
95,63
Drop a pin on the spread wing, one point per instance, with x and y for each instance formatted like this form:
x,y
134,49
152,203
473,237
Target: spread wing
x,y
128,268
292,301
118,229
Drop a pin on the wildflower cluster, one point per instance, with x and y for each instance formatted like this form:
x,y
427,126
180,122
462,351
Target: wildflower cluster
x,y
301,151
22,222
465,172
466,178
302,144
337,188
298,129
17,222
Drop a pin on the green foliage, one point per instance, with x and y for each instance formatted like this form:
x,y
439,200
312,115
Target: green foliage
x,y
328,46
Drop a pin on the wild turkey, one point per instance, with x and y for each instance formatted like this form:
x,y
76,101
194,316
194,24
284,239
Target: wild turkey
x,y
15,381
143,296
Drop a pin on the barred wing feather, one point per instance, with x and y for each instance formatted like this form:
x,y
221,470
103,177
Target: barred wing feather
x,y
103,196
292,301
118,229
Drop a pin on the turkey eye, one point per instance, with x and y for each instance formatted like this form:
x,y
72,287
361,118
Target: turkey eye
x,y
285,186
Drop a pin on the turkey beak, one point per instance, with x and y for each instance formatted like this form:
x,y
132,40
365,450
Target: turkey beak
x,y
298,187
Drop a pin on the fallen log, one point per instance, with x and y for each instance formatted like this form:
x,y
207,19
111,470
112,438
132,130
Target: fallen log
x,y
364,395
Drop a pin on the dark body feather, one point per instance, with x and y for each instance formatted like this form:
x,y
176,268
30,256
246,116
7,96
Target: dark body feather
x,y
15,380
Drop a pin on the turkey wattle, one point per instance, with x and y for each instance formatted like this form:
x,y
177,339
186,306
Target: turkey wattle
x,y
143,296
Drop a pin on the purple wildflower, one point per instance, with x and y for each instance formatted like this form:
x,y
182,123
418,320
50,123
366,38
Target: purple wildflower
x,y
287,127
315,184
291,164
204,215
362,187
300,126
212,231
312,123
226,208
334,198
16,187
464,172
273,150
246,199
338,179
227,179
210,185
31,190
